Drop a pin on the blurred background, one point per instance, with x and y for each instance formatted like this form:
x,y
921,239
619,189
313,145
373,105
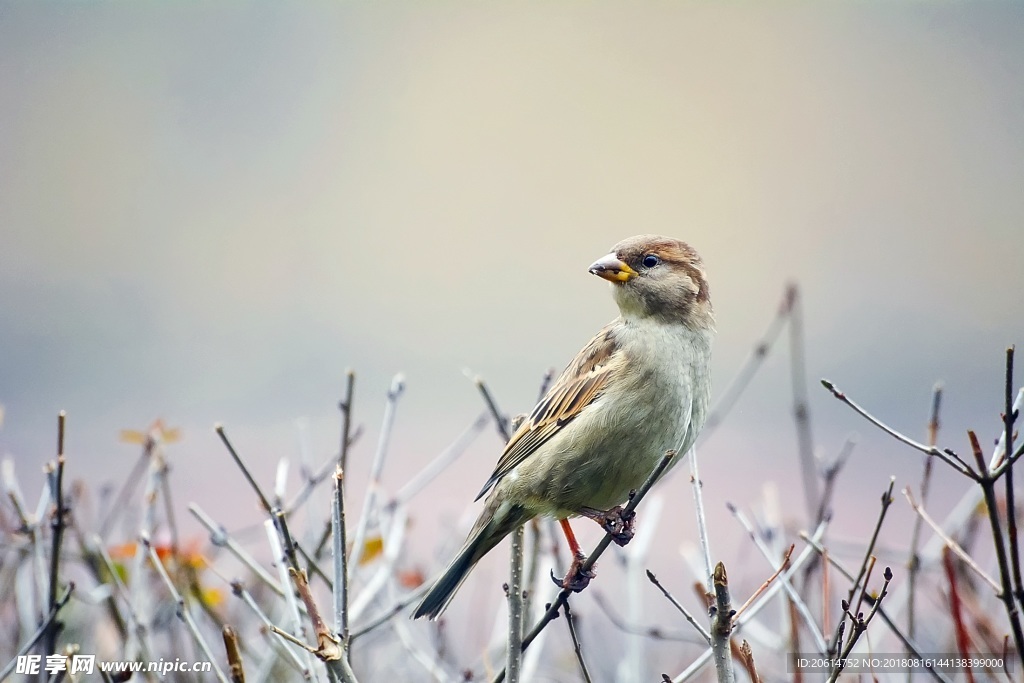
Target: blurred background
x,y
208,213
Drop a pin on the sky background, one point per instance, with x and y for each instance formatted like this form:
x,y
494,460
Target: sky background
x,y
208,212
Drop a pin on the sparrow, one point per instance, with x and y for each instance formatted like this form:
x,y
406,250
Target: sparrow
x,y
640,387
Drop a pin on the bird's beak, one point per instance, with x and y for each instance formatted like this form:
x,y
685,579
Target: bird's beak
x,y
612,269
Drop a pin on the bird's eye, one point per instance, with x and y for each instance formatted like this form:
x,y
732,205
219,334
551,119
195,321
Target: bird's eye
x,y
651,260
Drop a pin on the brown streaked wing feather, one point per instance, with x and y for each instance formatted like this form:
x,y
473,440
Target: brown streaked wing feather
x,y
582,381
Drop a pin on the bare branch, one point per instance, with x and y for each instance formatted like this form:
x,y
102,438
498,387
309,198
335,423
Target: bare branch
x,y
369,502
987,483
682,610
345,405
576,643
340,552
264,502
40,632
234,653
514,593
947,456
914,564
58,522
182,611
951,543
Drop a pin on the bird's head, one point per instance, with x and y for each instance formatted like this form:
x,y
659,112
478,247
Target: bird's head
x,y
661,277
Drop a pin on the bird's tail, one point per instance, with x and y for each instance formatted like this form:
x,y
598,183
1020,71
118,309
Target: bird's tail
x,y
488,531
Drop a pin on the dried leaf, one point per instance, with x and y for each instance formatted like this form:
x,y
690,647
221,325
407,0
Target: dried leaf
x,y
372,549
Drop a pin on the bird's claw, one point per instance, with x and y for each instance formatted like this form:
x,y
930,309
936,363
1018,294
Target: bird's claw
x,y
619,524
576,579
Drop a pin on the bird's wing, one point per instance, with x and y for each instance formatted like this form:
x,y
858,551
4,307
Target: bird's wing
x,y
582,381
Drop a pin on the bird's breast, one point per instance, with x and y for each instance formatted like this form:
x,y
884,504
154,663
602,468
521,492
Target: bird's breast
x,y
656,402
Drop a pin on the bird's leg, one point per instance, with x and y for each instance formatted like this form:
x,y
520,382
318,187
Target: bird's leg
x,y
615,521
575,579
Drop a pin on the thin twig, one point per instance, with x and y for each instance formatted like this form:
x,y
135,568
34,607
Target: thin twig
x,y
120,502
682,610
960,630
40,632
999,462
140,594
914,563
794,639
907,643
1004,465
280,521
860,625
805,555
961,513
826,589
318,477
632,586
801,407
750,367
91,557
219,537
264,502
13,492
501,421
292,639
328,649
747,657
652,632
390,614
58,522
576,643
951,543
139,629
339,550
169,518
182,611
864,586
346,417
312,568
370,500
702,522
947,456
764,586
1011,504
392,547
798,603
436,466
987,484
868,552
239,590
280,483
283,564
829,475
422,655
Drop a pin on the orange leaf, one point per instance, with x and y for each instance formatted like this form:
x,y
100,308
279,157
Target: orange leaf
x,y
411,578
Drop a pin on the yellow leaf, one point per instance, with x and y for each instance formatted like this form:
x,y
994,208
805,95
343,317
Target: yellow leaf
x,y
212,596
132,436
372,548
